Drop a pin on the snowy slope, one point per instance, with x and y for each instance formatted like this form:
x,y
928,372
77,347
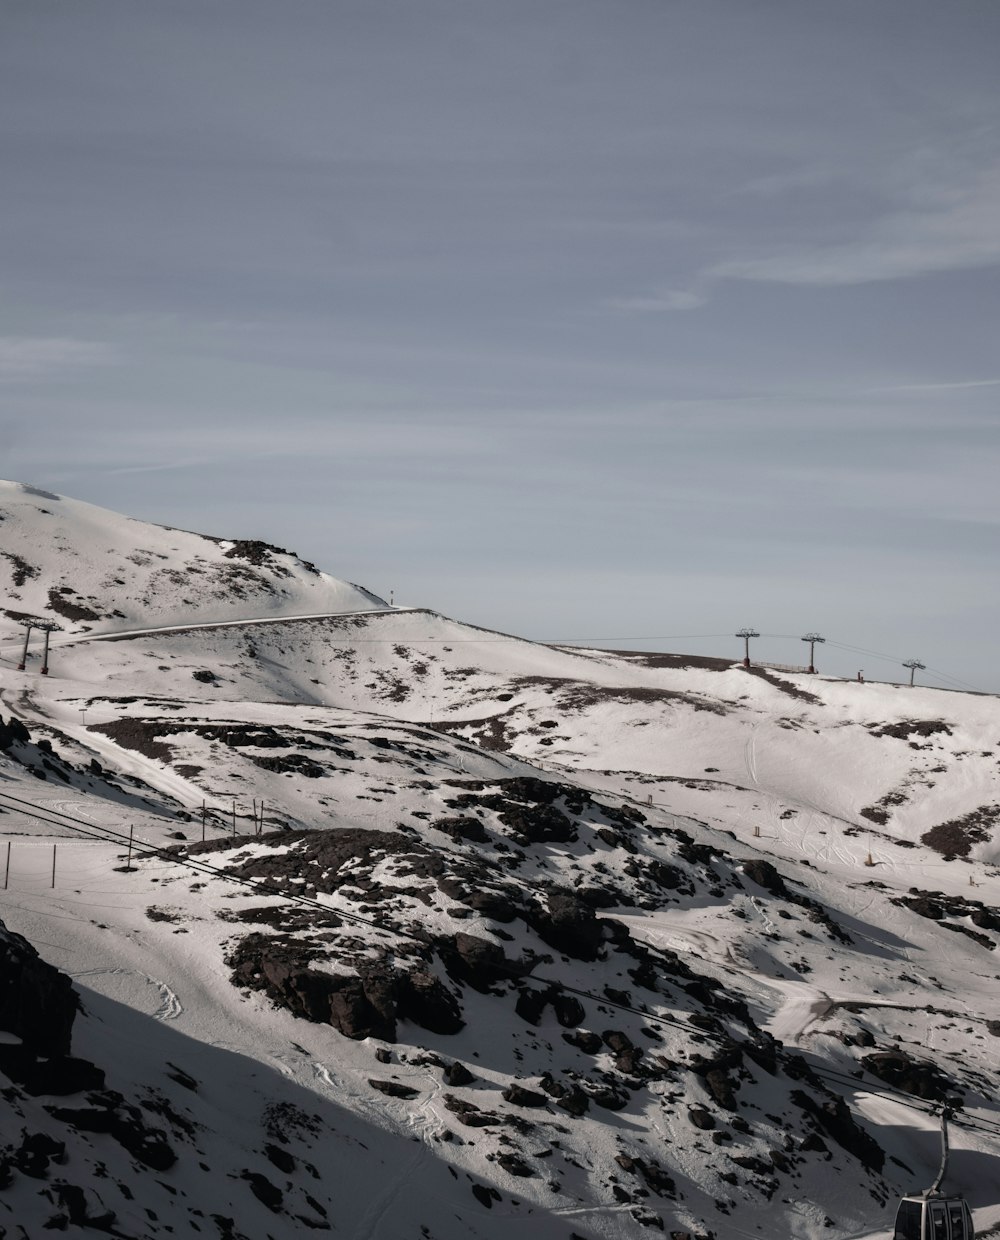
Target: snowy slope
x,y
91,570
624,942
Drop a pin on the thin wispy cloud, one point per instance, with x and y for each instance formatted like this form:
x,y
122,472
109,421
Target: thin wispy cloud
x,y
532,287
954,385
25,357
959,233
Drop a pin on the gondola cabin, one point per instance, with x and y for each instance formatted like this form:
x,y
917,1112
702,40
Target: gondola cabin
x,y
933,1218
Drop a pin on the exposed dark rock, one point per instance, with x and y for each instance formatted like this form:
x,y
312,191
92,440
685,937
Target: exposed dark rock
x,y
912,727
13,732
281,1158
476,961
514,1165
367,1005
519,1096
108,1112
567,924
84,1208
457,1074
469,1114
574,1100
608,1097
394,1089
917,1077
37,1003
36,1151
56,1077
568,1009
264,1190
422,998
585,1041
834,1117
462,828
765,875
531,1002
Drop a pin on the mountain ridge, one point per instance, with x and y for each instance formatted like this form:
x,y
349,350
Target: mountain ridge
x,y
618,945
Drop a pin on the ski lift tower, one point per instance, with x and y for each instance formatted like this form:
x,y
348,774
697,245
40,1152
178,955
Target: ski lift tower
x,y
812,639
27,623
47,627
914,665
746,634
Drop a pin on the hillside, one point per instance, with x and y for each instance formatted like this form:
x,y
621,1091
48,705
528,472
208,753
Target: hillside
x,y
91,570
591,944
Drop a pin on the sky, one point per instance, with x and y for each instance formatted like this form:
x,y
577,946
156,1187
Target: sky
x,y
601,319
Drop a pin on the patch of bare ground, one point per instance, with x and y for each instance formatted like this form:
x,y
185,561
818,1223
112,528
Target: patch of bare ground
x,y
23,571
61,601
652,659
880,812
905,728
785,686
138,735
489,733
579,694
956,837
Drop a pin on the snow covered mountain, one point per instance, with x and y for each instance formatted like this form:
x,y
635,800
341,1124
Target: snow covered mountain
x,y
91,570
428,931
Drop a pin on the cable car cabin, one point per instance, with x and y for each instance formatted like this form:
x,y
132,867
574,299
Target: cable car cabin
x,y
933,1218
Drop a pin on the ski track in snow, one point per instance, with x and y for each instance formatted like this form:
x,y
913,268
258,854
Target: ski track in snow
x,y
169,1006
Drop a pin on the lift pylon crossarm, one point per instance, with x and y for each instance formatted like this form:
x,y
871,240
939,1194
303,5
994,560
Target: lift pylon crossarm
x,y
746,634
914,665
812,639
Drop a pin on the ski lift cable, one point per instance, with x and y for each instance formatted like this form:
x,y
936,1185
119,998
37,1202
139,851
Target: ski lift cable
x,y
264,887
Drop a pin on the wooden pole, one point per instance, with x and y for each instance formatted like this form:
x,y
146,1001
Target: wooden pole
x,y
53,865
204,811
234,818
128,863
6,875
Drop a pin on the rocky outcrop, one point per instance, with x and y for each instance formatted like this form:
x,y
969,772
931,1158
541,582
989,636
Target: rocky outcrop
x,y
37,1003
363,1005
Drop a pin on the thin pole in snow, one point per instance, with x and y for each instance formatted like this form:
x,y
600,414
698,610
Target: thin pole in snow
x,y
6,873
53,865
204,811
128,863
234,817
